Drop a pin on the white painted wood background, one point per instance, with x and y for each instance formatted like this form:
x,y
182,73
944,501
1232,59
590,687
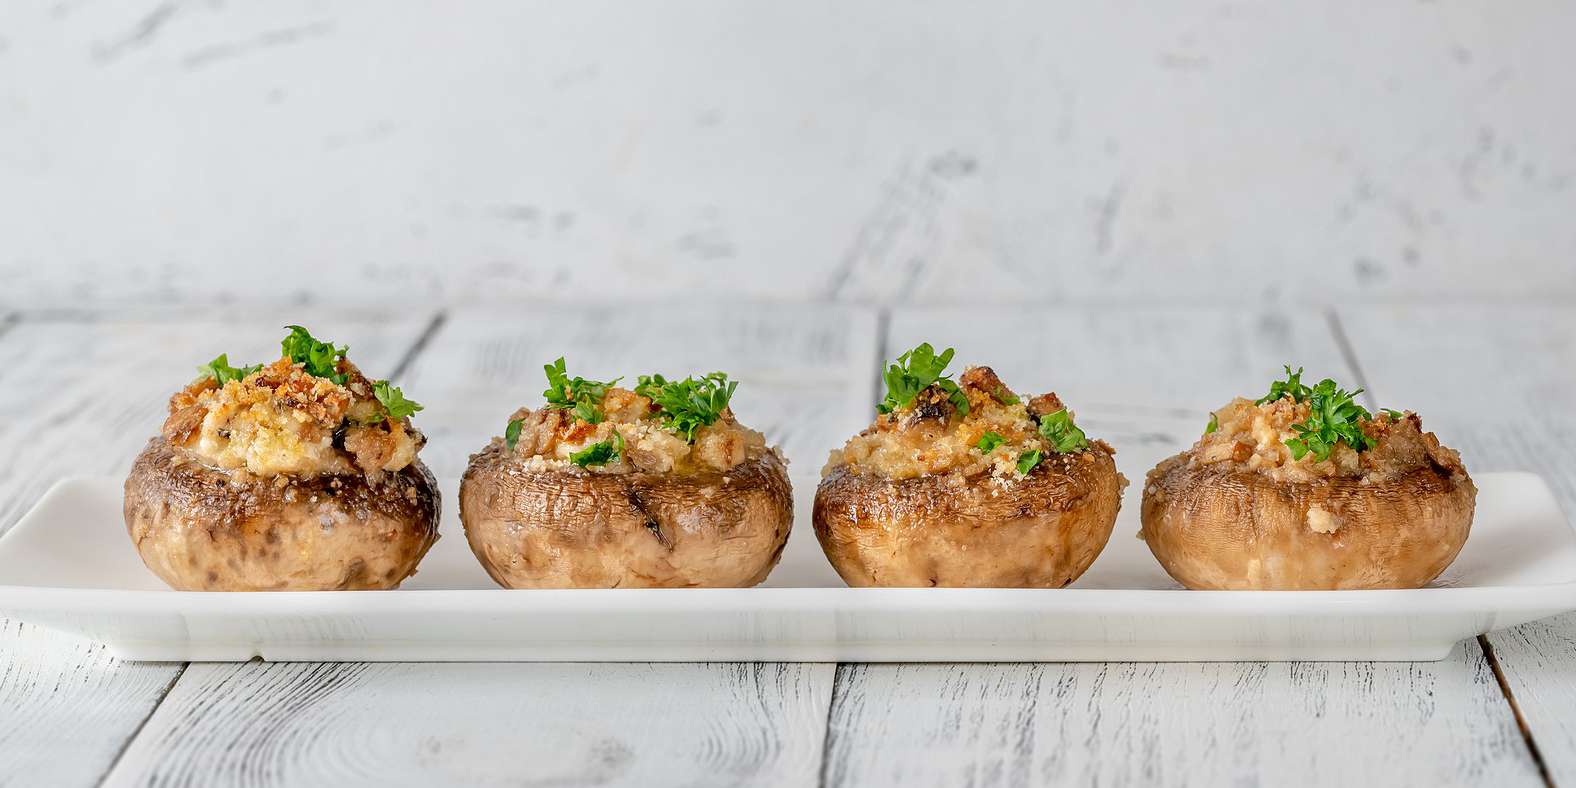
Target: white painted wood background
x,y
302,151
1145,207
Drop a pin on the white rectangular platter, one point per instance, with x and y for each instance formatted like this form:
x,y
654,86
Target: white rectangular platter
x,y
68,565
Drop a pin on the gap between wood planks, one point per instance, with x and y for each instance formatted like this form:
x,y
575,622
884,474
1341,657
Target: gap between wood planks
x,y
406,359
839,673
1349,352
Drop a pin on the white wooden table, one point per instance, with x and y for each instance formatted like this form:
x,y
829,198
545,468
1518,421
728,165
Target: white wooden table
x,y
80,392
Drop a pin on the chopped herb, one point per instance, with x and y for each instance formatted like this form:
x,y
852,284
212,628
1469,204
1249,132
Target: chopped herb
x,y
1006,397
688,404
511,434
1333,417
220,370
1292,387
320,359
1027,461
1394,415
1214,424
915,371
988,442
393,400
1058,428
582,396
599,453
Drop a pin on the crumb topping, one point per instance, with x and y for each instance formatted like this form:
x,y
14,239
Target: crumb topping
x,y
1254,436
281,420
629,435
991,431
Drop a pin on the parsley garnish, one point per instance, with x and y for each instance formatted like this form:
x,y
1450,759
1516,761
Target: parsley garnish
x,y
393,400
988,442
1006,397
1027,461
511,434
320,359
599,453
1058,428
1394,415
1290,387
1333,418
1214,424
688,404
220,370
582,396
915,371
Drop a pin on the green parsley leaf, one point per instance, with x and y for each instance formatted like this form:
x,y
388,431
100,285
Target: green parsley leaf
x,y
511,434
988,442
689,404
1058,428
582,396
1027,461
1006,397
1292,387
1394,415
1334,417
599,453
915,371
320,359
1214,424
220,370
394,401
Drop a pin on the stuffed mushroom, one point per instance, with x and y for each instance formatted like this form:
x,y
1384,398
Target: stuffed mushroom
x,y
299,475
608,487
965,484
1304,489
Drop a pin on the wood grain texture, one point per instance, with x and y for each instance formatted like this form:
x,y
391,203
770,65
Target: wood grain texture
x,y
999,151
1145,379
486,724
82,397
70,708
804,380
1316,724
1495,382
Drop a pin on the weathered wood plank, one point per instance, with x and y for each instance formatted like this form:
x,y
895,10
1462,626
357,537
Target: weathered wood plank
x,y
805,381
1145,379
82,397
1495,382
486,724
1335,724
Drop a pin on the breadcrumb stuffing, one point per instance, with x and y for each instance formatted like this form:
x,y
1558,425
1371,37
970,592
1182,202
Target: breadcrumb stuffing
x,y
283,421
1254,436
929,437
548,437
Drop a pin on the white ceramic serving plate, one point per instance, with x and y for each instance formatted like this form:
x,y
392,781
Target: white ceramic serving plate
x,y
69,566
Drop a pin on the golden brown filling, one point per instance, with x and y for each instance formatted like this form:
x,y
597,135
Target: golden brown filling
x,y
281,420
995,432
681,427
1255,436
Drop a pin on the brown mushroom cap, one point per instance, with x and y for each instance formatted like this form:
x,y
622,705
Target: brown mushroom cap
x,y
569,528
199,529
1224,527
1041,531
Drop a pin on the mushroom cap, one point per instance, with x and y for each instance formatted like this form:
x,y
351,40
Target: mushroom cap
x,y
534,527
1225,527
1040,531
200,529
